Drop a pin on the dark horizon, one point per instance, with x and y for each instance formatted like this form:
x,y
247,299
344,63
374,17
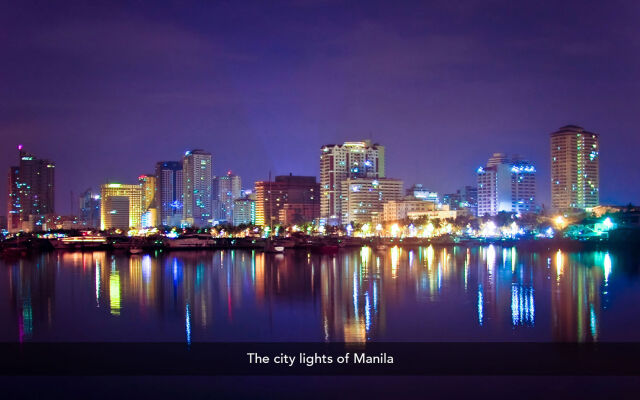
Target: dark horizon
x,y
106,91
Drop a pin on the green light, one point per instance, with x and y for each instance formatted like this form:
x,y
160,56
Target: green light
x,y
114,293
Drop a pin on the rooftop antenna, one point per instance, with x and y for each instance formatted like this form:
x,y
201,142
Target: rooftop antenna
x,y
269,198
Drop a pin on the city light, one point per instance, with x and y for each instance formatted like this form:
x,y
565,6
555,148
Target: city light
x,y
395,230
607,223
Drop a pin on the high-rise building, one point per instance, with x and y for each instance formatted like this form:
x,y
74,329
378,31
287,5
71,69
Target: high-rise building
x,y
363,198
31,192
169,192
506,184
575,171
120,206
197,170
149,211
351,160
272,196
244,211
148,184
90,209
226,189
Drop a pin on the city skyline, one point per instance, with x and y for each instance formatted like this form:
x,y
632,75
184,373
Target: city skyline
x,y
371,158
129,88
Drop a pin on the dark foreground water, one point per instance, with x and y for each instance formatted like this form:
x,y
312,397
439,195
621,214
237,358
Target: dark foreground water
x,y
425,294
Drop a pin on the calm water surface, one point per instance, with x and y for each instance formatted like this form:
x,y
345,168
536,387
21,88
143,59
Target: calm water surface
x,y
425,294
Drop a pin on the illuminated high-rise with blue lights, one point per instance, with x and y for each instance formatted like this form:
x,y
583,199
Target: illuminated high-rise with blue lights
x,y
196,188
89,205
226,189
506,185
169,192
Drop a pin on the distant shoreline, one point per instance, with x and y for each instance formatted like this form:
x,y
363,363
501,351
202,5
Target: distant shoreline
x,y
325,245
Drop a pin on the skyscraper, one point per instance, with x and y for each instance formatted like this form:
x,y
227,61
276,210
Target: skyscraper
x,y
31,192
506,184
226,189
149,210
272,197
196,183
575,171
90,209
169,192
120,206
340,162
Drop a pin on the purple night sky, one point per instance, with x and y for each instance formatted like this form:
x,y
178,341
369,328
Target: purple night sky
x,y
106,90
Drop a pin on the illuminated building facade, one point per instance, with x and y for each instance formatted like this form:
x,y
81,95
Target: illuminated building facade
x,y
506,184
244,211
197,170
351,160
169,192
443,213
90,209
120,206
148,185
271,197
31,192
575,171
226,189
363,198
398,210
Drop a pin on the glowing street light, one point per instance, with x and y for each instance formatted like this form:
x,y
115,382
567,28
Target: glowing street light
x,y
394,230
365,229
428,230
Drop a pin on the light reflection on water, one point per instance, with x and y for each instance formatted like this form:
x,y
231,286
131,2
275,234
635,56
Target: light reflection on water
x,y
423,294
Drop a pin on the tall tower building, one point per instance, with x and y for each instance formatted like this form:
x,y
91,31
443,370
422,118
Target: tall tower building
x,y
506,184
169,192
89,204
575,171
196,188
226,189
351,160
149,210
120,206
31,192
148,184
